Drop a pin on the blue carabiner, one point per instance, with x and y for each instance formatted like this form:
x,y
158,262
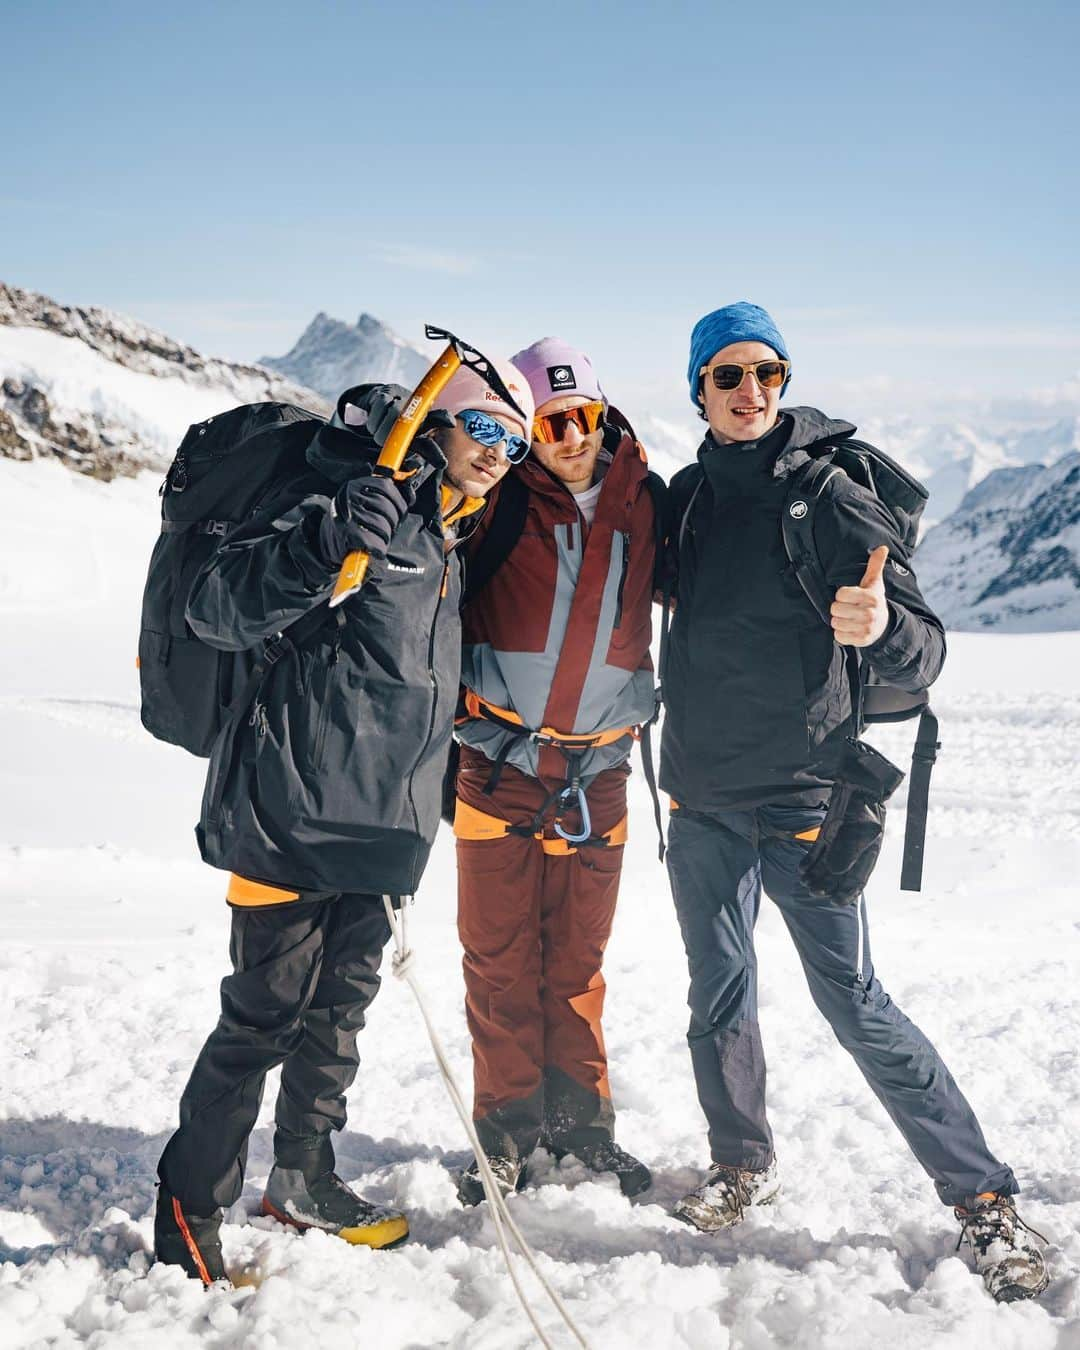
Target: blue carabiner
x,y
586,822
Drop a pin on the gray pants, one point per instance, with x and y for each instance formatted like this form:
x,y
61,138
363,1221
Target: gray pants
x,y
718,866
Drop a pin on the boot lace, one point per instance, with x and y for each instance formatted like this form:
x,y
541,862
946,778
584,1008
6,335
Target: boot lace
x,y
737,1181
984,1225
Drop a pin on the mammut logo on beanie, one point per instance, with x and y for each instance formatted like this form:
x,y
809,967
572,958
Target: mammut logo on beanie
x,y
561,377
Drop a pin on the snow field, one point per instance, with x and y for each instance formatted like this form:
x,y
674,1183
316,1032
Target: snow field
x,y
114,937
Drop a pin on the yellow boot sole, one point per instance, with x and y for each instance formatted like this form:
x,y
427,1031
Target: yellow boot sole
x,y
380,1235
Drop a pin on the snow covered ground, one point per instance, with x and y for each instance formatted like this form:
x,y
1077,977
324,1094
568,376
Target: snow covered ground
x,y
113,939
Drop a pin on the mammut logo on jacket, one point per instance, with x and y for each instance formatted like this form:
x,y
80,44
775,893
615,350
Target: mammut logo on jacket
x,y
798,510
416,570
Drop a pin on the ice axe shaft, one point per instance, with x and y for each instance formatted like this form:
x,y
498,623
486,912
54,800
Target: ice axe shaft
x,y
392,456
396,447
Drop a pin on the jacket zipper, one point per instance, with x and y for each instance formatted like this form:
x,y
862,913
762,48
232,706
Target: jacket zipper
x,y
434,689
861,938
624,535
324,711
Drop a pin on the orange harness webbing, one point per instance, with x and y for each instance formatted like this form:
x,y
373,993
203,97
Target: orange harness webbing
x,y
476,706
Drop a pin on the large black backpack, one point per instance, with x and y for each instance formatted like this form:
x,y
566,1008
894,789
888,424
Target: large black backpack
x,y
874,699
225,468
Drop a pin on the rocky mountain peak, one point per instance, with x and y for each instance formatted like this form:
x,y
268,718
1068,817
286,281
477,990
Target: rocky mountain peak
x,y
331,355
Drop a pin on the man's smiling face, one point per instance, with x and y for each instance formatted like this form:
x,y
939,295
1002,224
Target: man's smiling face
x,y
573,459
471,467
748,411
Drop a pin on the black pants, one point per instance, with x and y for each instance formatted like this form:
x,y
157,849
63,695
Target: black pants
x,y
303,976
718,866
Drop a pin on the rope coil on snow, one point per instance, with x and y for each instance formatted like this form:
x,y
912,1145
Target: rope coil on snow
x,y
404,962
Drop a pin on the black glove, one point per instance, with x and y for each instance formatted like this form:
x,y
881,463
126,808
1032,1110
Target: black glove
x,y
372,409
839,864
366,512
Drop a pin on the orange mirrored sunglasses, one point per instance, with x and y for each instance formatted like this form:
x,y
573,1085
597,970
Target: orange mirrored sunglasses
x,y
551,428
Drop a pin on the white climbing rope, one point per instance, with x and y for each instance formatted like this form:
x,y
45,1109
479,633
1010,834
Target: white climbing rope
x,y
404,963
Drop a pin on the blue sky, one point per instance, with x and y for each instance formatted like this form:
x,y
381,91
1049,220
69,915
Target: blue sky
x,y
897,183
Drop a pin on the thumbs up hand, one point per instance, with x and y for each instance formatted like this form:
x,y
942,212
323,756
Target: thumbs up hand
x,y
860,614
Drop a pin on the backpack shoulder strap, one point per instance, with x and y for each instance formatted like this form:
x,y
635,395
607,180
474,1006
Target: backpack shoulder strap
x,y
658,491
797,526
923,758
507,522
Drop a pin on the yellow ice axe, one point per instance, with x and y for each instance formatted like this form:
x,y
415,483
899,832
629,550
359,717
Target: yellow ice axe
x,y
396,447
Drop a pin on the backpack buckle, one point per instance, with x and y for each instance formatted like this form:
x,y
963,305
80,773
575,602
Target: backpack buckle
x,y
274,648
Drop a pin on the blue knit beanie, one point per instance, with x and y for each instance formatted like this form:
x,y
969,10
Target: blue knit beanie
x,y
741,322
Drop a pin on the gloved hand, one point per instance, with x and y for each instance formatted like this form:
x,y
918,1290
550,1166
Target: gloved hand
x,y
839,864
365,513
372,409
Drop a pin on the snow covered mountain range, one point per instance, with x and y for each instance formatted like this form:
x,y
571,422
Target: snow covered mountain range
x,y
1009,557
953,458
108,396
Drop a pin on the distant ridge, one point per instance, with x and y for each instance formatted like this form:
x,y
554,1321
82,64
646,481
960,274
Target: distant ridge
x,y
133,344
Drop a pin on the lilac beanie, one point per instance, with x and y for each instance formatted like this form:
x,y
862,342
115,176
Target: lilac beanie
x,y
554,368
466,389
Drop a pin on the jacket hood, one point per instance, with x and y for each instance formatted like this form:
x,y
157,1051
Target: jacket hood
x,y
806,427
809,426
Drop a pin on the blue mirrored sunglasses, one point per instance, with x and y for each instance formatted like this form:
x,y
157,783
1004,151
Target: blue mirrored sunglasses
x,y
484,430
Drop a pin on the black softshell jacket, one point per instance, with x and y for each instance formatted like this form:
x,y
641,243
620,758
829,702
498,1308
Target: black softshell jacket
x,y
330,779
757,696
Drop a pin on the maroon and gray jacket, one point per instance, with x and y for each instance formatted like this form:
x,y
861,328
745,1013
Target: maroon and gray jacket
x,y
559,636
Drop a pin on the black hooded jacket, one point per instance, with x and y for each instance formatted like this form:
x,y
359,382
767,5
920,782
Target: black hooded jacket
x,y
757,695
331,779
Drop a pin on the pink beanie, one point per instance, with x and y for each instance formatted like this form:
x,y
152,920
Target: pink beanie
x,y
466,389
554,368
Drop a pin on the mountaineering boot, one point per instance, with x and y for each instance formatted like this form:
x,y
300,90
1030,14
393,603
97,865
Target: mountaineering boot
x,y
509,1173
1005,1256
726,1193
305,1197
185,1240
606,1156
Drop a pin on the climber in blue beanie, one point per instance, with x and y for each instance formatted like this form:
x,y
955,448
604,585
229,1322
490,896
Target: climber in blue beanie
x,y
772,791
